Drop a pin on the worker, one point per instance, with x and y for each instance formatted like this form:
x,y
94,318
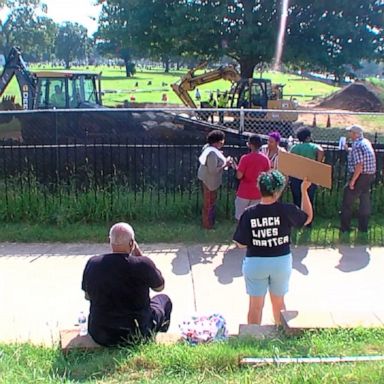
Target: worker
x,y
245,102
58,98
222,101
212,104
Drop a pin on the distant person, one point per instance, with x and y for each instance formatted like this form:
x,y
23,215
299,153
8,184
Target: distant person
x,y
310,150
272,148
210,173
250,167
265,230
361,174
222,102
197,94
117,285
58,98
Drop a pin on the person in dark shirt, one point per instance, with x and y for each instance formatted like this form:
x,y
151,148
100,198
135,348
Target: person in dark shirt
x,y
265,230
118,285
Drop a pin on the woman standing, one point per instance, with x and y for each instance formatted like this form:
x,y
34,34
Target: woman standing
x,y
212,163
265,231
313,151
250,167
272,148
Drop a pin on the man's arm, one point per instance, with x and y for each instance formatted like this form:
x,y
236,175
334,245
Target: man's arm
x,y
86,296
356,173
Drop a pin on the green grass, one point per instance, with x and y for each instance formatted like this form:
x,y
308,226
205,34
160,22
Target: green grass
x,y
118,88
324,233
211,363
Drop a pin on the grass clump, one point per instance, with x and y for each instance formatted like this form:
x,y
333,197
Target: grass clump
x,y
211,363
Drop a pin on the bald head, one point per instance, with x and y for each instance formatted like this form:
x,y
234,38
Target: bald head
x,y
121,237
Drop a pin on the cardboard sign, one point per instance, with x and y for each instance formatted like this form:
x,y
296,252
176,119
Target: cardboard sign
x,y
298,166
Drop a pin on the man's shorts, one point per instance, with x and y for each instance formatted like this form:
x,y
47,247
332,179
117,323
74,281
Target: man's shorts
x,y
263,273
241,204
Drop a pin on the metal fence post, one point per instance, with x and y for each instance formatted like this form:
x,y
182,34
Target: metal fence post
x,y
241,127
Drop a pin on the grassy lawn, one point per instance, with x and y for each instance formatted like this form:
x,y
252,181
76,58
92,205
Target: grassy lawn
x,y
210,363
118,88
324,233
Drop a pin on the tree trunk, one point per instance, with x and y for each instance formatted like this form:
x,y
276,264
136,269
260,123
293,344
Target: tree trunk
x,y
246,68
127,64
166,65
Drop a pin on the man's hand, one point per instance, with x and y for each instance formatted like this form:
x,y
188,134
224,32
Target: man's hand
x,y
351,185
136,251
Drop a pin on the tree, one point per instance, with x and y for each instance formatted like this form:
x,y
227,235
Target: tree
x,y
325,34
21,26
119,29
72,43
333,35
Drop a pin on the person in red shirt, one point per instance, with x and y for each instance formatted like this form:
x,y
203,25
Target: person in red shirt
x,y
248,170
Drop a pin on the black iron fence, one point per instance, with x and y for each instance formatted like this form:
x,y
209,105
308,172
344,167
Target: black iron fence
x,y
132,177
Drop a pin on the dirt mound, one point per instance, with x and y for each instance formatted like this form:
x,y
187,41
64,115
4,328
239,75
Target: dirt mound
x,y
359,97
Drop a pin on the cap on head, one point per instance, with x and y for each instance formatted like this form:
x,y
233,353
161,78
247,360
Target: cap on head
x,y
121,234
355,129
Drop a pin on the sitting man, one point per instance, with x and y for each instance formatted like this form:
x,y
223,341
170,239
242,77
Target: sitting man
x,y
117,284
58,98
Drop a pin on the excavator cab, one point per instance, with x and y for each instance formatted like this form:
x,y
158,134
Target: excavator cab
x,y
67,89
51,89
251,93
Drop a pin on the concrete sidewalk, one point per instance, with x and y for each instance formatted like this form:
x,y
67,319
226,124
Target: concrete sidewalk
x,y
40,289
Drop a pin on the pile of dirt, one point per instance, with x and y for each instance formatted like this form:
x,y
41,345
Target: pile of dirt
x,y
358,97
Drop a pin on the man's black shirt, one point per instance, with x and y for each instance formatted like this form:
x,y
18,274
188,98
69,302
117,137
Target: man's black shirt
x,y
118,287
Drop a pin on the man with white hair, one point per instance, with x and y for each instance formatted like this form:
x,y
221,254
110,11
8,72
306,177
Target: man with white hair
x,y
117,285
361,170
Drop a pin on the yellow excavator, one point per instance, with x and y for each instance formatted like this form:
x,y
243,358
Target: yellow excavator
x,y
244,93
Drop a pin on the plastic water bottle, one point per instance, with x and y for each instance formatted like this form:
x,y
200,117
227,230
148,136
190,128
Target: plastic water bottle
x,y
83,327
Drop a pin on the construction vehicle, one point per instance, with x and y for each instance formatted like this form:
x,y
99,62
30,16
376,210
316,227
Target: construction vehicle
x,y
51,89
244,93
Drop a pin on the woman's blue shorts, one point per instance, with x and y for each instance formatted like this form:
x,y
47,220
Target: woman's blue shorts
x,y
263,273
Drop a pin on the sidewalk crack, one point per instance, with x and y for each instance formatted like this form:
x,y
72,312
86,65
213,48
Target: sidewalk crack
x,y
192,279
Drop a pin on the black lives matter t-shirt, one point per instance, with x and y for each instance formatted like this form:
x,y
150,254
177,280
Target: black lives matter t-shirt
x,y
266,228
118,286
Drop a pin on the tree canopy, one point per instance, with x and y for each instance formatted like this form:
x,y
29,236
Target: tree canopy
x,y
333,34
326,35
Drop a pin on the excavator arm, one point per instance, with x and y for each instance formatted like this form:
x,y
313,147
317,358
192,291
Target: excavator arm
x,y
190,81
15,66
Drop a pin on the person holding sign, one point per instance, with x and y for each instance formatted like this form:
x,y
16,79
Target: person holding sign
x,y
265,230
